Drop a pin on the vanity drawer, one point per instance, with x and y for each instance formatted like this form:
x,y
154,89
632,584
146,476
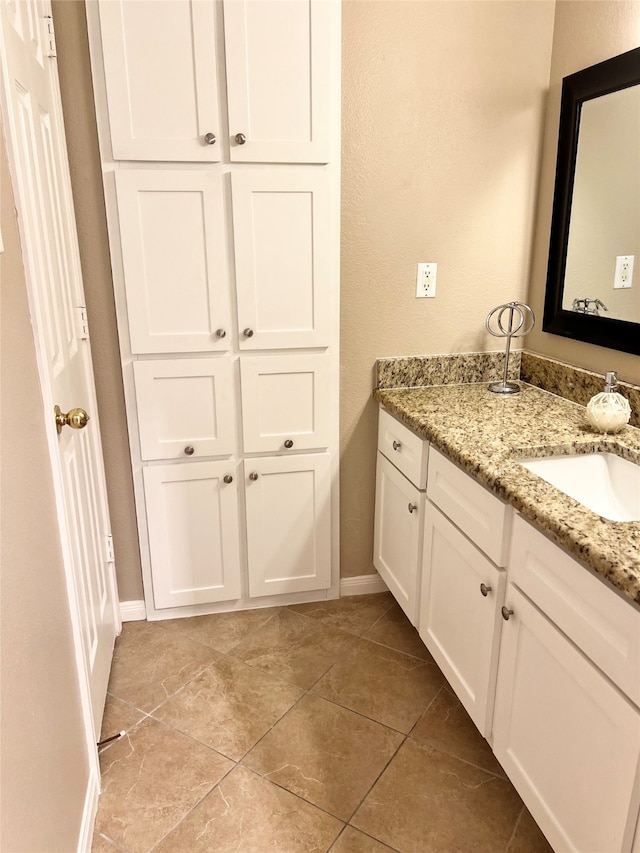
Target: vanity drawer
x,y
407,451
481,516
603,625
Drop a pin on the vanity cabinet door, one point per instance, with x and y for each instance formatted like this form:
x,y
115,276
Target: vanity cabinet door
x,y
192,516
567,738
397,539
460,619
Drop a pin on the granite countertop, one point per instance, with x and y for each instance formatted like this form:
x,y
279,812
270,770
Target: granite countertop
x,y
485,434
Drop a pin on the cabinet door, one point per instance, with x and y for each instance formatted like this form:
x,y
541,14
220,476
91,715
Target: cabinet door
x,y
567,738
285,398
185,406
397,539
278,58
460,620
281,225
288,502
174,253
160,74
192,517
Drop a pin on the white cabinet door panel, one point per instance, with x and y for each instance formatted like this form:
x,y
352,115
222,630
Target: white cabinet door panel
x,y
288,523
285,398
185,406
397,538
567,738
281,221
160,71
278,61
458,623
192,517
174,252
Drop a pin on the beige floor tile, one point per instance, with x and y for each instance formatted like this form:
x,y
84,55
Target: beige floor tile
x,y
151,779
293,647
528,837
229,706
354,613
248,813
100,844
393,629
447,726
428,801
354,841
324,753
149,664
390,687
119,716
221,631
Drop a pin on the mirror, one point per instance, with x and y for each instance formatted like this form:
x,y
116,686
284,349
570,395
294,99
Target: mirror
x,y
594,251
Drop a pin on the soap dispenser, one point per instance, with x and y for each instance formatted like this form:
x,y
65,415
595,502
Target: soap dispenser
x,y
608,411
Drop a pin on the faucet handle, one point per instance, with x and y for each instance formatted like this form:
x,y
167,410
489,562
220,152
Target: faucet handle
x,y
610,381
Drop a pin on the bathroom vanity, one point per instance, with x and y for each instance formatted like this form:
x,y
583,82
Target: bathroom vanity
x,y
528,601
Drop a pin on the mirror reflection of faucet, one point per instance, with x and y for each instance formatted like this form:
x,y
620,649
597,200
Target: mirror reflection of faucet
x,y
588,306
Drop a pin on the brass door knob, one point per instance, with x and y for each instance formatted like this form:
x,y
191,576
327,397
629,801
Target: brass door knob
x,y
75,418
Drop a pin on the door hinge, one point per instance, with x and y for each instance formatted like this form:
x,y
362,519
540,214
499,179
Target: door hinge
x,y
83,325
108,548
50,37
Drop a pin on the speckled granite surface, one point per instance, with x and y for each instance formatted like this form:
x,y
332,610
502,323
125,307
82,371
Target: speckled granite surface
x,y
485,434
573,383
416,370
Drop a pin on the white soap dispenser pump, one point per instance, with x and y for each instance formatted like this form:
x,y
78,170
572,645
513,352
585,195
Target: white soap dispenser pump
x,y
609,411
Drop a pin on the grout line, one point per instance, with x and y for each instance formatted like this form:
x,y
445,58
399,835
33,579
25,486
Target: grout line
x,y
515,829
375,781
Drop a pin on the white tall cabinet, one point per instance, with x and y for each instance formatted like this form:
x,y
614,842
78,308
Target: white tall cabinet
x,y
219,128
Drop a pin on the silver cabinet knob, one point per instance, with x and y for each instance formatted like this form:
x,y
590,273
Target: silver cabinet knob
x,y
253,476
288,443
228,479
240,138
248,333
397,445
506,613
189,450
484,589
412,507
210,138
221,333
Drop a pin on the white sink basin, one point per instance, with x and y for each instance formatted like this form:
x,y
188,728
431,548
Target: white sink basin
x,y
603,482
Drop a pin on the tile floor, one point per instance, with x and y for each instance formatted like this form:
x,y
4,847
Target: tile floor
x,y
314,727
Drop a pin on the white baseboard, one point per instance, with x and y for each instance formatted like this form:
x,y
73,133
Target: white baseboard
x,y
133,611
362,585
85,839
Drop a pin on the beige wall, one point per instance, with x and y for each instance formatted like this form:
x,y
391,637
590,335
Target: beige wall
x,y
84,160
585,33
442,125
44,764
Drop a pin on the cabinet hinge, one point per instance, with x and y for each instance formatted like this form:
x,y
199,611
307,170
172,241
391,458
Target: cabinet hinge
x,y
82,323
49,37
109,556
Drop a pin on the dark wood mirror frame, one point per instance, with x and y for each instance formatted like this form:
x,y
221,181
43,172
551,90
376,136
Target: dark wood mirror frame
x,y
609,76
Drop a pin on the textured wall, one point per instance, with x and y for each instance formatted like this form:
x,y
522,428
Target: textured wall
x,y
585,33
44,764
86,178
442,126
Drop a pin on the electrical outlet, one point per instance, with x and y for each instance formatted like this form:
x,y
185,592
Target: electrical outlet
x,y
624,272
426,280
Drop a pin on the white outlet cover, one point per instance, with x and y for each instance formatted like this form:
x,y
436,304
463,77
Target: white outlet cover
x,y
426,280
623,277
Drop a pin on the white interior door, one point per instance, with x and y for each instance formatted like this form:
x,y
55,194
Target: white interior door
x,y
32,121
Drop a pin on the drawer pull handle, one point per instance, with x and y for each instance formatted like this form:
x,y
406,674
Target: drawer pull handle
x,y
288,444
240,138
221,333
506,613
397,445
228,479
484,589
189,450
412,507
210,138
253,476
248,333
